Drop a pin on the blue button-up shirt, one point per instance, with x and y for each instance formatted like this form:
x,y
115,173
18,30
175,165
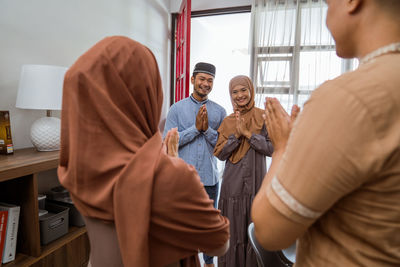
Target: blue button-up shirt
x,y
196,148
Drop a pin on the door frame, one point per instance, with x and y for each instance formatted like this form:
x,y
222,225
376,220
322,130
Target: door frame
x,y
194,14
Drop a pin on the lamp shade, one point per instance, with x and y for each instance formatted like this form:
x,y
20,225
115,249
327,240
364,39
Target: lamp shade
x,y
40,87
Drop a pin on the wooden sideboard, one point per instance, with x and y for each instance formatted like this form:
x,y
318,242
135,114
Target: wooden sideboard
x,y
19,185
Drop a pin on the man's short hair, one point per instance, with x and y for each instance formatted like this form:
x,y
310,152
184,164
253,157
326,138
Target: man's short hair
x,y
203,67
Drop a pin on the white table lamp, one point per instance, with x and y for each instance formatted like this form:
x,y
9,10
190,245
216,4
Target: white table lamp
x,y
40,87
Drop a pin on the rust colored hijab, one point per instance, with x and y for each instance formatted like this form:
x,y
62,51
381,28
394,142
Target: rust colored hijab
x,y
111,158
252,117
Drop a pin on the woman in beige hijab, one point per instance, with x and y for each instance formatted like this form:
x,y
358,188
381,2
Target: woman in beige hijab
x,y
243,142
114,165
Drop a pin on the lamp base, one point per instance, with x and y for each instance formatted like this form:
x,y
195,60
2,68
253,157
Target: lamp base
x,y
45,134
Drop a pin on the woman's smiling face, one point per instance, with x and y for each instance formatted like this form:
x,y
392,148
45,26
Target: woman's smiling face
x,y
240,95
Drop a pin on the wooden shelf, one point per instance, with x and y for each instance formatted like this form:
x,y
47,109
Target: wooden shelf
x,y
25,260
19,186
26,161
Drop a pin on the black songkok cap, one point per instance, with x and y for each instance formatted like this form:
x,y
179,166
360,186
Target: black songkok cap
x,y
204,68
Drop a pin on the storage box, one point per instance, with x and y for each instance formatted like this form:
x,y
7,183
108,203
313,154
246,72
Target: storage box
x,y
57,193
41,201
75,218
54,224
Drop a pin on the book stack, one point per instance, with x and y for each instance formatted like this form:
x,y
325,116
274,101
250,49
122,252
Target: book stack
x,y
9,218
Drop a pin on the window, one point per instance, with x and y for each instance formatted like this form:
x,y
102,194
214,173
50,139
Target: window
x,y
294,51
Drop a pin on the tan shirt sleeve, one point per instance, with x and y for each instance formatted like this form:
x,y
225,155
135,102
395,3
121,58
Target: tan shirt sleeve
x,y
331,152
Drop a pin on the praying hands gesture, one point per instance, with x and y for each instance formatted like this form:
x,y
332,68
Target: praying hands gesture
x,y
279,123
171,142
202,119
241,129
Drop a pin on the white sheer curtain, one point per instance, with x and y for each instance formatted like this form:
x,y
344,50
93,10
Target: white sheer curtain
x,y
292,50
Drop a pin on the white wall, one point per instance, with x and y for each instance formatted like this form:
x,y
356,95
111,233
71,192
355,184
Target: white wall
x,y
209,4
57,32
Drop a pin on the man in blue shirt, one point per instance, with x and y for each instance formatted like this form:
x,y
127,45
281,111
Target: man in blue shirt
x,y
198,119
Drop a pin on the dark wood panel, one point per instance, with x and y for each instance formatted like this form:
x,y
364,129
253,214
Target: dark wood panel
x,y
21,260
72,254
26,161
57,251
23,192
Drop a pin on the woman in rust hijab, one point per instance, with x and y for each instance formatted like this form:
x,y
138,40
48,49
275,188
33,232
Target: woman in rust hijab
x,y
114,165
243,142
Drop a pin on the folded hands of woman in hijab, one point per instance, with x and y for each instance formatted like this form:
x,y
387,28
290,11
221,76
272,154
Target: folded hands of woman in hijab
x,y
171,142
279,123
241,129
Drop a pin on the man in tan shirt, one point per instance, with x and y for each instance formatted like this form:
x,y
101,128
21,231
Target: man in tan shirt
x,y
334,181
